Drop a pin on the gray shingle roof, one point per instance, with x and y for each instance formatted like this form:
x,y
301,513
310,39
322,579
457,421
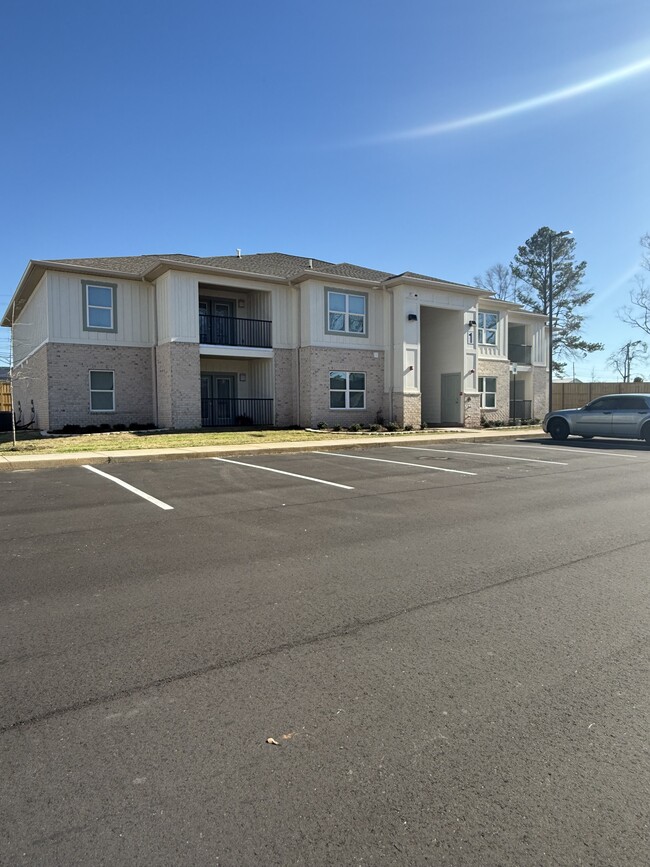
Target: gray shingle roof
x,y
273,264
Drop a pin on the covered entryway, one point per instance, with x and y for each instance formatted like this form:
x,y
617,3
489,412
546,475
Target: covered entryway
x,y
442,351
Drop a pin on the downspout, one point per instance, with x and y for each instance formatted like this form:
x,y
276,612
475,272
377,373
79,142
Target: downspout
x,y
391,348
154,354
298,355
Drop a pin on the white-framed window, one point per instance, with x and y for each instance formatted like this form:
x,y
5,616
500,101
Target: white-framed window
x,y
347,389
487,385
99,306
487,328
102,391
346,312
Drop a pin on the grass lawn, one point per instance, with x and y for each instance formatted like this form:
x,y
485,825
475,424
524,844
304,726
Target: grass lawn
x,y
31,442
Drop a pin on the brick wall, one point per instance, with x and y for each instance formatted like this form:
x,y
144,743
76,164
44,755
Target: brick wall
x,y
68,367
179,385
315,366
472,410
30,384
285,371
407,409
500,370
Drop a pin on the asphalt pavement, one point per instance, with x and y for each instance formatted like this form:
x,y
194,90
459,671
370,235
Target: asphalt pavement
x,y
446,644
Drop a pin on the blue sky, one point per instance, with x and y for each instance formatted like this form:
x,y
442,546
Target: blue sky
x,y
200,127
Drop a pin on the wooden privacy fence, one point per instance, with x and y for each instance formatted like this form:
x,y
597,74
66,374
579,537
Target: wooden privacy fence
x,y
5,398
567,395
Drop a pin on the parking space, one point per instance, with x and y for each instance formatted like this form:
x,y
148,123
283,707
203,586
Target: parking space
x,y
150,491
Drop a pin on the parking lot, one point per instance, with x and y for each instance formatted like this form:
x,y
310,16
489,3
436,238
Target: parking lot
x,y
448,643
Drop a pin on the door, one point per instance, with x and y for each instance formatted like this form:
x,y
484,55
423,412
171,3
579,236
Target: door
x,y
629,414
218,399
450,412
595,419
217,322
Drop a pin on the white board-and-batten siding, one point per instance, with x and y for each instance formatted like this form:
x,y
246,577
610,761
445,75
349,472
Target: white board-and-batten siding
x,y
135,311
31,327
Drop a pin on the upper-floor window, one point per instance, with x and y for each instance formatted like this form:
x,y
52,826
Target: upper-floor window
x,y
99,306
346,312
487,328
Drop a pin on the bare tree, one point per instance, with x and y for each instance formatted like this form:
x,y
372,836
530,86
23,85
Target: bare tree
x,y
637,312
621,360
499,280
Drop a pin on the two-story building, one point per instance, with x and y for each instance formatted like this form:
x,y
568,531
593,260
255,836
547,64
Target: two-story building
x,y
269,339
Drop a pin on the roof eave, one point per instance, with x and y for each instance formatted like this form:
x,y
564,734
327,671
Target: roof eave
x,y
423,283
310,274
163,265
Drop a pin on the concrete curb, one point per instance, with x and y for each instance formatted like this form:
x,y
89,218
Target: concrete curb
x,y
42,461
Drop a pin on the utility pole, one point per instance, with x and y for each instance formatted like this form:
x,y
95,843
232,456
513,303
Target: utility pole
x,y
626,369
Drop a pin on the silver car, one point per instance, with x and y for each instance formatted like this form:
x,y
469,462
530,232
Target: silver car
x,y
614,415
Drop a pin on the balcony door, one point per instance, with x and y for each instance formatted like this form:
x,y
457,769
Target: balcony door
x,y
216,324
218,399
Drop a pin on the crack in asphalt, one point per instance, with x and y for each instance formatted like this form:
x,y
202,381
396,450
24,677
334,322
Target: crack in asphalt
x,y
347,629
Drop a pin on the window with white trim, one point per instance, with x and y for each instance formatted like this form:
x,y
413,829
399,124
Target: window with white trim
x,y
347,389
99,306
102,391
346,312
487,328
487,386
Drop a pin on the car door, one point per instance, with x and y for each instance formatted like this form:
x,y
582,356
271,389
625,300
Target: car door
x,y
630,413
595,419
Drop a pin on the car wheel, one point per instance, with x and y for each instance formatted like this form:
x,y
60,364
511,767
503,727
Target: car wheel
x,y
558,428
645,433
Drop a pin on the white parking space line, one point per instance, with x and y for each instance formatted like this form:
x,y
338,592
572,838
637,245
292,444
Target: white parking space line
x,y
126,485
482,455
284,473
581,450
399,463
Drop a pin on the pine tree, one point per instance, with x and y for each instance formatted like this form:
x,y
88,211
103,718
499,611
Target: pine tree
x,y
530,268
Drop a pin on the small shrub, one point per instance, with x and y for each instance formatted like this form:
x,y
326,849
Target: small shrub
x,y
424,425
380,419
354,428
375,427
321,425
90,428
408,427
391,426
336,428
119,427
104,427
71,428
135,425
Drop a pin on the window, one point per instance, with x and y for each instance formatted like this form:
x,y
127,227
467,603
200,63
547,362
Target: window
x,y
99,306
487,328
346,313
102,391
347,390
487,385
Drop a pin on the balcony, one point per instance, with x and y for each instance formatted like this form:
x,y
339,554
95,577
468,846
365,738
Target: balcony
x,y
519,353
235,411
520,410
234,331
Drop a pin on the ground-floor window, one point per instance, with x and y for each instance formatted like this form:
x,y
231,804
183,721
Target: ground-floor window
x,y
347,389
487,385
102,391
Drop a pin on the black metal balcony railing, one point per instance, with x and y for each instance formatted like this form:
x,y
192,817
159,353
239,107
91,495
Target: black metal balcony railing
x,y
230,412
520,409
234,331
519,353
